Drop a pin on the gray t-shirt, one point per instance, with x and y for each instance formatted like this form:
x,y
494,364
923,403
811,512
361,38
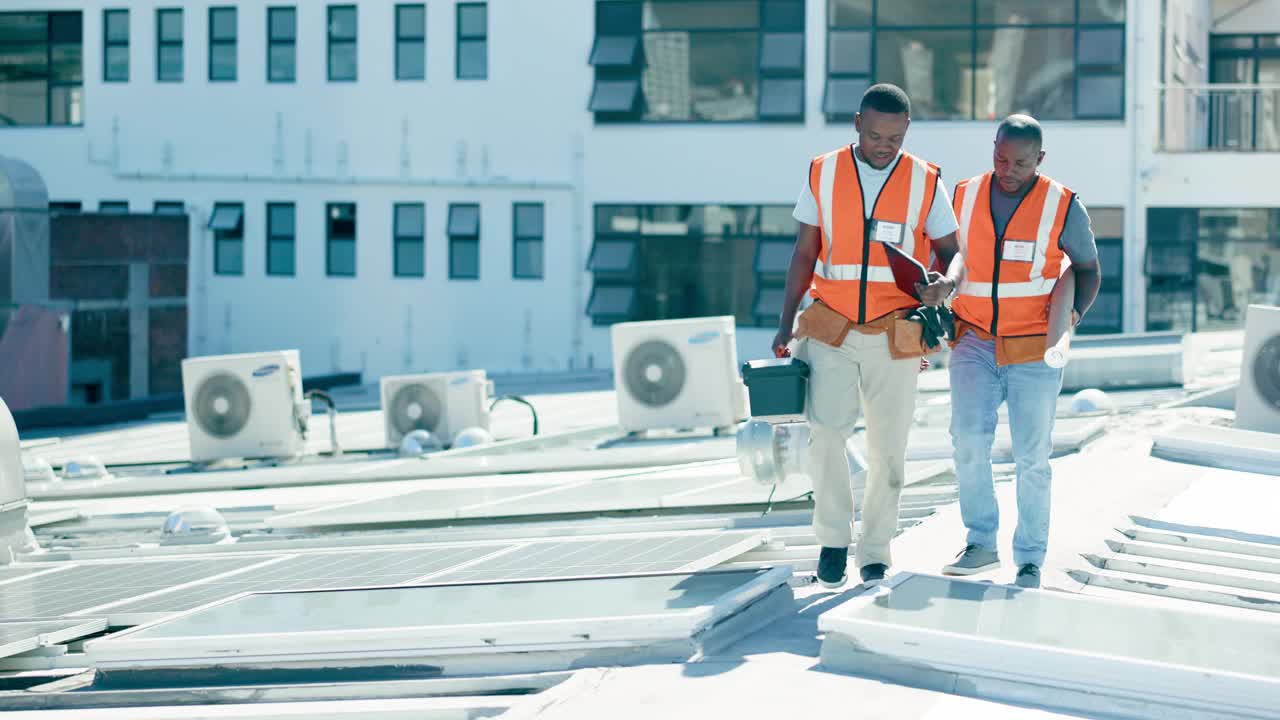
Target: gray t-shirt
x,y
1077,235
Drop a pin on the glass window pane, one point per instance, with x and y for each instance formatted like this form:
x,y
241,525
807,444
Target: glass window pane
x,y
528,258
171,63
618,18
777,220
342,220
411,60
169,207
932,66
473,59
171,26
1107,222
67,63
1023,12
1027,70
1105,315
781,98
409,220
222,62
1101,47
924,12
226,218
342,61
24,103
342,257
222,23
342,23
700,76
782,51
614,96
20,29
848,13
66,103
612,256
1231,42
617,219
282,62
1111,256
280,257
65,27
849,52
1102,11
774,258
411,21
464,220
409,258
1101,96
612,301
113,207
783,15
283,24
473,20
117,26
464,259
528,220
768,304
1268,42
280,219
843,96
230,260
117,63
695,14
615,51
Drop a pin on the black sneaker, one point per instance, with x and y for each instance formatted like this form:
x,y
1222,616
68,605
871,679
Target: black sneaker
x,y
1028,576
831,565
873,574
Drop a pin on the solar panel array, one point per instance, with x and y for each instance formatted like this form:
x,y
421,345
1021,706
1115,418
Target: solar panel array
x,y
19,637
178,585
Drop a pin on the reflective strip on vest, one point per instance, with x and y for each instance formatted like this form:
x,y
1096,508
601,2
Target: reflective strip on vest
x,y
1033,288
875,273
826,186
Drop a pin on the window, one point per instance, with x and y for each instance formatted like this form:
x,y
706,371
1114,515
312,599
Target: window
x,y
282,44
280,239
41,70
527,231
698,61
1107,313
658,262
408,245
1242,119
464,242
342,43
169,207
115,46
411,42
340,250
114,207
169,45
979,60
222,44
1205,266
66,207
473,41
227,224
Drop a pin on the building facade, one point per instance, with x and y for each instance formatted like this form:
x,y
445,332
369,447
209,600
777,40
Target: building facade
x,y
400,187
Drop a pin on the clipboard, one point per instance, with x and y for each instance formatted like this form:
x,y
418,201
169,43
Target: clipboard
x,y
907,271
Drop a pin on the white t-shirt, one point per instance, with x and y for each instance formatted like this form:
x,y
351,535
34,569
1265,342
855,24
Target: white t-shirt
x,y
940,223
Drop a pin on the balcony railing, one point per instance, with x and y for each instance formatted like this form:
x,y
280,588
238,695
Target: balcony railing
x,y
1220,118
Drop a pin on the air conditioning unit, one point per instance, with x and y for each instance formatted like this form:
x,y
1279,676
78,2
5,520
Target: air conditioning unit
x,y
245,406
1258,399
677,374
440,403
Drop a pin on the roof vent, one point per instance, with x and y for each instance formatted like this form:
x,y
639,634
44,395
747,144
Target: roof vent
x,y
195,525
87,468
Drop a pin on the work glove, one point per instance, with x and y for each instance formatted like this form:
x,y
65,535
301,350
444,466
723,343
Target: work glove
x,y
937,324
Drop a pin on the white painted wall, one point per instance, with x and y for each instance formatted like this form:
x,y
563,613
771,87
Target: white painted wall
x,y
469,141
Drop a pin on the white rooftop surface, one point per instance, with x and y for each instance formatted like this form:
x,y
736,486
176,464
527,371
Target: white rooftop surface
x,y
1127,528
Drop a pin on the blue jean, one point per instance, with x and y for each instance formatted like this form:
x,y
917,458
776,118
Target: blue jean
x,y
978,386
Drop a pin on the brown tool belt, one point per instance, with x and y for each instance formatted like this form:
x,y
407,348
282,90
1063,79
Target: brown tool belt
x,y
820,322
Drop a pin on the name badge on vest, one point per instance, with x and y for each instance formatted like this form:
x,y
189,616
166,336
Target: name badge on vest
x,y
886,232
1019,250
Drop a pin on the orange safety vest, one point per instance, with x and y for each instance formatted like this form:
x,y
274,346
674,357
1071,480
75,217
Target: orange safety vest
x,y
1008,279
852,275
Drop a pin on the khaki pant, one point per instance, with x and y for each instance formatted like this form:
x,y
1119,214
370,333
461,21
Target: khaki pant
x,y
842,381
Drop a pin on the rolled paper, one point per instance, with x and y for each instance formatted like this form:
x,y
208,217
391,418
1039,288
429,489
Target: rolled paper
x,y
1057,342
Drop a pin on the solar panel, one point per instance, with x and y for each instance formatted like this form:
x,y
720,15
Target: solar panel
x,y
20,636
592,614
609,556
315,571
83,587
625,493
